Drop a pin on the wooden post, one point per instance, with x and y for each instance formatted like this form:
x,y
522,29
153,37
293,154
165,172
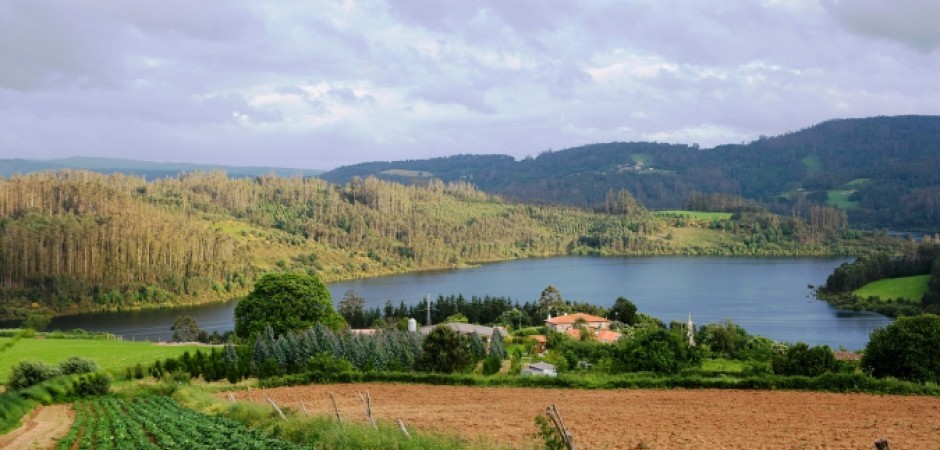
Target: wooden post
x,y
249,394
555,417
401,425
336,409
231,398
882,444
367,401
304,409
279,412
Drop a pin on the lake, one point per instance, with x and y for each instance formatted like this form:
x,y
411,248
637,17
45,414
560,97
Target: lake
x,y
767,296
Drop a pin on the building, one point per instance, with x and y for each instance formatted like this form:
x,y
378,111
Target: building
x,y
565,322
466,329
541,344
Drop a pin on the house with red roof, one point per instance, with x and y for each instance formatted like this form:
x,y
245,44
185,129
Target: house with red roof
x,y
565,322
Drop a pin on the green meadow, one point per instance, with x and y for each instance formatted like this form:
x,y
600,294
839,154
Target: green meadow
x,y
112,356
911,288
840,199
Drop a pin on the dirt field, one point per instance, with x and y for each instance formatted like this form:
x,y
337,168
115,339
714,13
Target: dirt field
x,y
41,430
652,419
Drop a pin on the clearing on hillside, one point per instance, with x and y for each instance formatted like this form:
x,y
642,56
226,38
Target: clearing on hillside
x,y
629,419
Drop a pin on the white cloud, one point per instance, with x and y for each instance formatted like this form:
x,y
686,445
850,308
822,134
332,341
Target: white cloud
x,y
317,85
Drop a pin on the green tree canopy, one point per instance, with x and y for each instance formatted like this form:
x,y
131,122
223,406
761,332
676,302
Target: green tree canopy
x,y
443,351
655,350
623,310
908,349
285,302
801,359
185,329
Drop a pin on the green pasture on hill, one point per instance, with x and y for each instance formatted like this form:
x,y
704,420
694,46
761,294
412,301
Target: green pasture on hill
x,y
698,215
110,355
911,288
840,199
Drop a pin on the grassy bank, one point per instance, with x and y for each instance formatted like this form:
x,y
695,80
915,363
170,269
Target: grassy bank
x,y
911,288
111,356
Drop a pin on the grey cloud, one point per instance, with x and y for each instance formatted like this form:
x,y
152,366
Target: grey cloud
x,y
909,22
55,44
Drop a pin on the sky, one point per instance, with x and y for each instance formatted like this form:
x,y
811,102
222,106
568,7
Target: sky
x,y
320,84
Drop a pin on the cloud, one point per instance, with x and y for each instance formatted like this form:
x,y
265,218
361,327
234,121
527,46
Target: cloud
x,y
910,22
316,85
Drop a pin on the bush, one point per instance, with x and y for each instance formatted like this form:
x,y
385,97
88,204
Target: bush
x,y
801,359
77,365
28,373
324,367
908,349
491,365
655,350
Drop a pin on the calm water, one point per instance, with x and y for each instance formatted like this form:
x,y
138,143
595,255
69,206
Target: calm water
x,y
767,296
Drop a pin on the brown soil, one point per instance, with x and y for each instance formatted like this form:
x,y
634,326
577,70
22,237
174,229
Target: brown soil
x,y
631,419
41,430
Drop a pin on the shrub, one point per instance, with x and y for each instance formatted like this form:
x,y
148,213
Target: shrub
x,y
491,365
655,350
801,359
77,365
28,373
324,367
908,349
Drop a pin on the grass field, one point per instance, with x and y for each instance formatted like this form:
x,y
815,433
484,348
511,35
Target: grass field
x,y
110,355
911,288
697,215
840,199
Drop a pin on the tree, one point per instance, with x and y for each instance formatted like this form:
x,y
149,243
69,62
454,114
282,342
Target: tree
x,y
185,329
724,339
908,349
801,359
37,321
655,350
351,307
286,301
623,310
550,300
497,346
443,351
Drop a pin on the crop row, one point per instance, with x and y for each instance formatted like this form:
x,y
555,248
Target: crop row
x,y
151,423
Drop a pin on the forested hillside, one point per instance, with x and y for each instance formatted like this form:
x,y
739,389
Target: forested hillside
x,y
80,241
884,172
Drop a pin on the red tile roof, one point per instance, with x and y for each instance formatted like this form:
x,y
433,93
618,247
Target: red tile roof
x,y
607,336
572,318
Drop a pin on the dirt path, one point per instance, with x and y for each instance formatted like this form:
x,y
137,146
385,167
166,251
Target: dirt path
x,y
41,430
652,419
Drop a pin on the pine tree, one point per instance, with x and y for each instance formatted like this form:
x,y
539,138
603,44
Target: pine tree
x,y
497,346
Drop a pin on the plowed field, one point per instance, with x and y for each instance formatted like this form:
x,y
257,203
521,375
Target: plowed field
x,y
653,419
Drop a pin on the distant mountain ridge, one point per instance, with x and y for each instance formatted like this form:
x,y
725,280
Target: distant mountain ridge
x,y
884,171
148,169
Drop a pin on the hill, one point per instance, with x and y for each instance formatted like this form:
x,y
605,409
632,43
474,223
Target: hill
x,y
147,169
73,241
883,171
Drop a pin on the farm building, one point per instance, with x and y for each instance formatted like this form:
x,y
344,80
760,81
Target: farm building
x,y
466,329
